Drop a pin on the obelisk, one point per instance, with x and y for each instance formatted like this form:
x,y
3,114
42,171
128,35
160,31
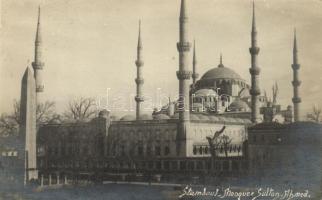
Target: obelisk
x,y
28,124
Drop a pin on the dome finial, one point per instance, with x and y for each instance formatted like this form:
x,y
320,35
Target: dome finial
x,y
220,64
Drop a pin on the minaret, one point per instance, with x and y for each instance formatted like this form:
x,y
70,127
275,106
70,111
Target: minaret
x,y
254,72
37,64
195,75
183,75
139,80
296,82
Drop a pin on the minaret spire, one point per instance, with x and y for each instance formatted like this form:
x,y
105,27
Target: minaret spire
x,y
296,82
220,61
37,64
139,80
195,75
183,75
254,71
254,18
295,59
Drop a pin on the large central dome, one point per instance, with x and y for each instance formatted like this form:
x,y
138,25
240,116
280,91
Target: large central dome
x,y
221,73
224,78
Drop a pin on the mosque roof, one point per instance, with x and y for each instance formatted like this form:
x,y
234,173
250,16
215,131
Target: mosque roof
x,y
161,116
205,92
212,118
145,117
221,73
239,104
128,118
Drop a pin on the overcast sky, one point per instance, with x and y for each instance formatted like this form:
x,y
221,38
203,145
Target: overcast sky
x,y
90,46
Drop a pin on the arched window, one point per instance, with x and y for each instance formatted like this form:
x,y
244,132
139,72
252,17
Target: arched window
x,y
206,150
166,150
148,150
200,150
194,150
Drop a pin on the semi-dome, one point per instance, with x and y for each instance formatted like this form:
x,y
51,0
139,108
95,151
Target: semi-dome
x,y
145,117
205,92
239,105
161,117
103,114
194,117
128,118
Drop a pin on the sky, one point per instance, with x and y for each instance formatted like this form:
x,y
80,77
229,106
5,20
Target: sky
x,y
89,47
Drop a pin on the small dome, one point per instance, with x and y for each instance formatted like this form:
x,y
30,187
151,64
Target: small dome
x,y
55,121
213,118
205,92
104,114
161,117
114,118
128,118
175,116
221,119
145,117
247,121
194,117
289,108
244,93
231,119
203,117
239,105
239,120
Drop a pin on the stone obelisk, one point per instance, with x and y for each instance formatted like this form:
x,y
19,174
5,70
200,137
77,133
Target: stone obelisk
x,y
28,124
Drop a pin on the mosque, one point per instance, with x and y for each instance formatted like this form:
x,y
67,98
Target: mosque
x,y
205,131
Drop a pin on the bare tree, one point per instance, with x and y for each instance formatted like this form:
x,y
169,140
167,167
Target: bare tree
x,y
9,123
80,109
226,141
315,114
214,141
44,112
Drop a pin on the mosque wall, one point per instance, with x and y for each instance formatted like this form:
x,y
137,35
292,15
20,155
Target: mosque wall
x,y
198,143
142,138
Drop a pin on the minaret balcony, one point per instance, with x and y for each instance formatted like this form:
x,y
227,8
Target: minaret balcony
x,y
254,50
296,83
255,91
139,63
184,75
296,100
254,71
195,75
296,66
139,81
40,88
139,99
183,46
37,65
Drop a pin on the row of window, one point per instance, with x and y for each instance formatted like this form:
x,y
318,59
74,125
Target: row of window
x,y
9,153
64,151
270,138
205,150
141,151
153,165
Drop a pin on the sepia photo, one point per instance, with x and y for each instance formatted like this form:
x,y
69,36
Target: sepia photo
x,y
161,99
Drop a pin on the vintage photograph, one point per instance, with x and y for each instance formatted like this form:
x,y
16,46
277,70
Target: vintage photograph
x,y
160,99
